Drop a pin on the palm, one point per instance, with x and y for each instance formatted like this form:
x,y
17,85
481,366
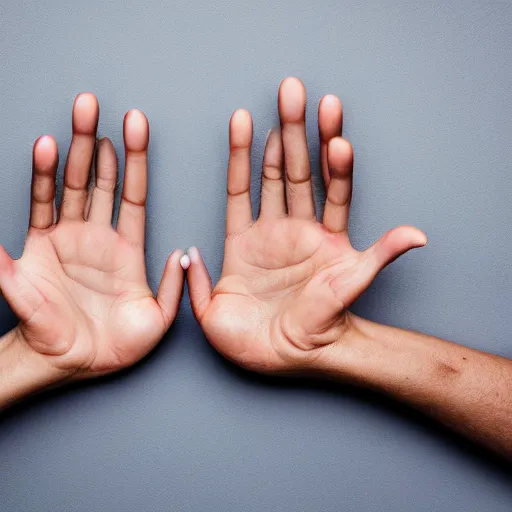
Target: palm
x,y
90,301
287,279
80,288
276,270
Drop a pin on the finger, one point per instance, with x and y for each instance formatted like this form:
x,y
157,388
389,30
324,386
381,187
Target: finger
x,y
390,246
330,123
132,212
199,284
81,151
273,202
171,288
239,211
102,202
339,192
292,110
44,168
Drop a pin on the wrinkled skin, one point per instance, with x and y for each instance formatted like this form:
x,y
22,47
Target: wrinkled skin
x,y
80,288
288,279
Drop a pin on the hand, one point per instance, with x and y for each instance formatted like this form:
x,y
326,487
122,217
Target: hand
x,y
80,288
287,279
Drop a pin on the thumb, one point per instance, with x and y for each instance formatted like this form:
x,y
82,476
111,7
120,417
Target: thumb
x,y
199,282
390,246
171,288
336,288
384,251
19,293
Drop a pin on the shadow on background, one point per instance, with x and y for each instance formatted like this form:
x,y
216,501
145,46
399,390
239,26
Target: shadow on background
x,y
364,307
474,455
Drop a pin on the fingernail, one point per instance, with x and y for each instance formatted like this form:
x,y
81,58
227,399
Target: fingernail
x,y
330,100
185,262
420,240
193,254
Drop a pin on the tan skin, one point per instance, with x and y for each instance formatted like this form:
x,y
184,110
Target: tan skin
x,y
287,280
86,309
80,288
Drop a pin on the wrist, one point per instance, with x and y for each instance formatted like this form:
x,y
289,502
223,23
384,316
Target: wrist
x,y
372,355
392,360
23,371
353,357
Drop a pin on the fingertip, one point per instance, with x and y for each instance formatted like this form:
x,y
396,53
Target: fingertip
x,y
404,238
45,154
330,102
330,117
136,130
420,239
411,234
45,141
45,144
106,149
292,85
175,255
292,100
240,118
85,100
339,154
240,129
194,255
338,144
173,261
105,141
85,113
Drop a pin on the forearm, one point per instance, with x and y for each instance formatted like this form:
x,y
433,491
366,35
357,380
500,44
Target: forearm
x,y
22,371
467,390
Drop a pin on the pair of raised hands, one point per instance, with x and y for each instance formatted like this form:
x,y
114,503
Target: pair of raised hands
x,y
85,307
80,288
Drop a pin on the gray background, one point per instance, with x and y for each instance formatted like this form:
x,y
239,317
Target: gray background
x,y
427,95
